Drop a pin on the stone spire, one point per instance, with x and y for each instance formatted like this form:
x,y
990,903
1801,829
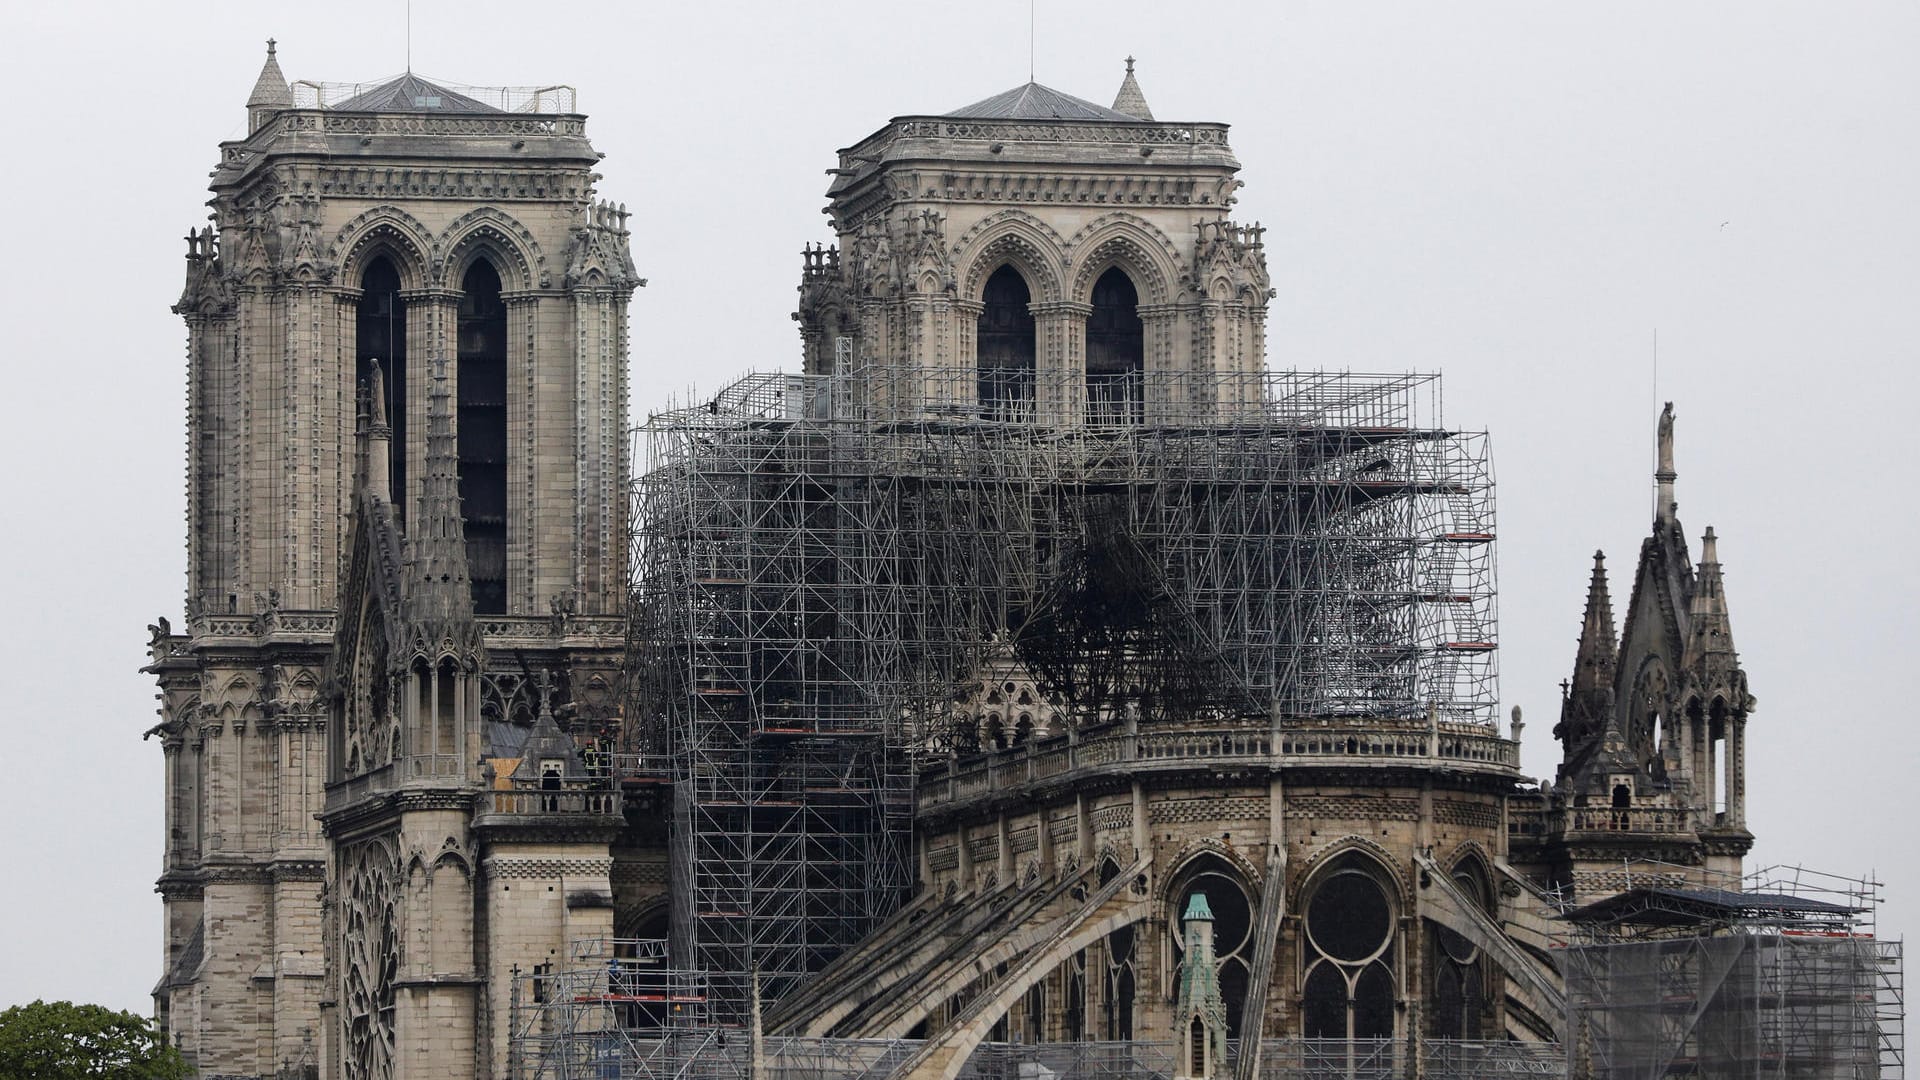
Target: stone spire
x,y
270,93
1594,661
439,595
547,743
1588,704
1130,100
1709,631
1198,999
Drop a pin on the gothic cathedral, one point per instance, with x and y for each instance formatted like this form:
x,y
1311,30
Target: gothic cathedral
x,y
1262,795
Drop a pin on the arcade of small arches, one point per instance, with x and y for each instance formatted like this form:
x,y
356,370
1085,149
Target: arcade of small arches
x,y
1007,347
1699,734
1007,709
1080,329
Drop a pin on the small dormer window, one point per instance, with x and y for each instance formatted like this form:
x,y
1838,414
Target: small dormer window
x,y
551,770
426,101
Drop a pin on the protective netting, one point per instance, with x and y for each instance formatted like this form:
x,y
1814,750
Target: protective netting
x,y
1770,1004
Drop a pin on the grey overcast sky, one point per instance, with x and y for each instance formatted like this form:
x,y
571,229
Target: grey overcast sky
x,y
1515,194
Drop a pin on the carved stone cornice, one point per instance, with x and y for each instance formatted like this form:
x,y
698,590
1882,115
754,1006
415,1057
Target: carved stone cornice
x,y
177,886
363,814
499,185
1061,307
1727,842
456,798
596,829
298,870
235,873
1627,849
508,867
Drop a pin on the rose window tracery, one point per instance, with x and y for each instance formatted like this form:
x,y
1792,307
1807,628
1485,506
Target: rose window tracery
x,y
1347,983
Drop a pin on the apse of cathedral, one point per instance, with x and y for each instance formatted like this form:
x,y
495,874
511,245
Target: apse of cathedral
x,y
1033,665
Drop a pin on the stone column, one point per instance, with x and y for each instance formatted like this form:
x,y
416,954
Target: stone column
x,y
1736,770
175,806
1060,362
1699,759
592,368
339,388
523,432
432,318
1168,385
245,458
961,386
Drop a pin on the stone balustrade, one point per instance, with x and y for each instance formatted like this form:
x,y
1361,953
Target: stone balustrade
x,y
358,123
522,800
1443,746
1146,131
505,630
1636,819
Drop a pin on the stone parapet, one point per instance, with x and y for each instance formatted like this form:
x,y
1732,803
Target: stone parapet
x,y
1066,762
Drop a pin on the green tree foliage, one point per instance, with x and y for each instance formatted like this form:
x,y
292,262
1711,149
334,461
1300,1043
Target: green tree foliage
x,y
58,1040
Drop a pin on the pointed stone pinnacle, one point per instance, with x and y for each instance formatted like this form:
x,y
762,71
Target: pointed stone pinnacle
x,y
1130,100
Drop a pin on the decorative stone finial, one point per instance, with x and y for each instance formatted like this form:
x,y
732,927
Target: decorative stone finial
x,y
1130,100
1665,476
270,94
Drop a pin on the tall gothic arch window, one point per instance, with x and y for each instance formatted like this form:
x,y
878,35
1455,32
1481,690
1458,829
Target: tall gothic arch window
x,y
483,434
1116,352
1117,993
1458,986
380,334
1347,984
1074,1015
1006,347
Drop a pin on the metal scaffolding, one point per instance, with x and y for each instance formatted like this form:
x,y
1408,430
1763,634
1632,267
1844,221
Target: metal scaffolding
x,y
617,1011
823,561
1783,978
711,1055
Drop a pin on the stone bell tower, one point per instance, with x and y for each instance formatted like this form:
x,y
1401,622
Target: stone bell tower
x,y
1038,256
402,227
